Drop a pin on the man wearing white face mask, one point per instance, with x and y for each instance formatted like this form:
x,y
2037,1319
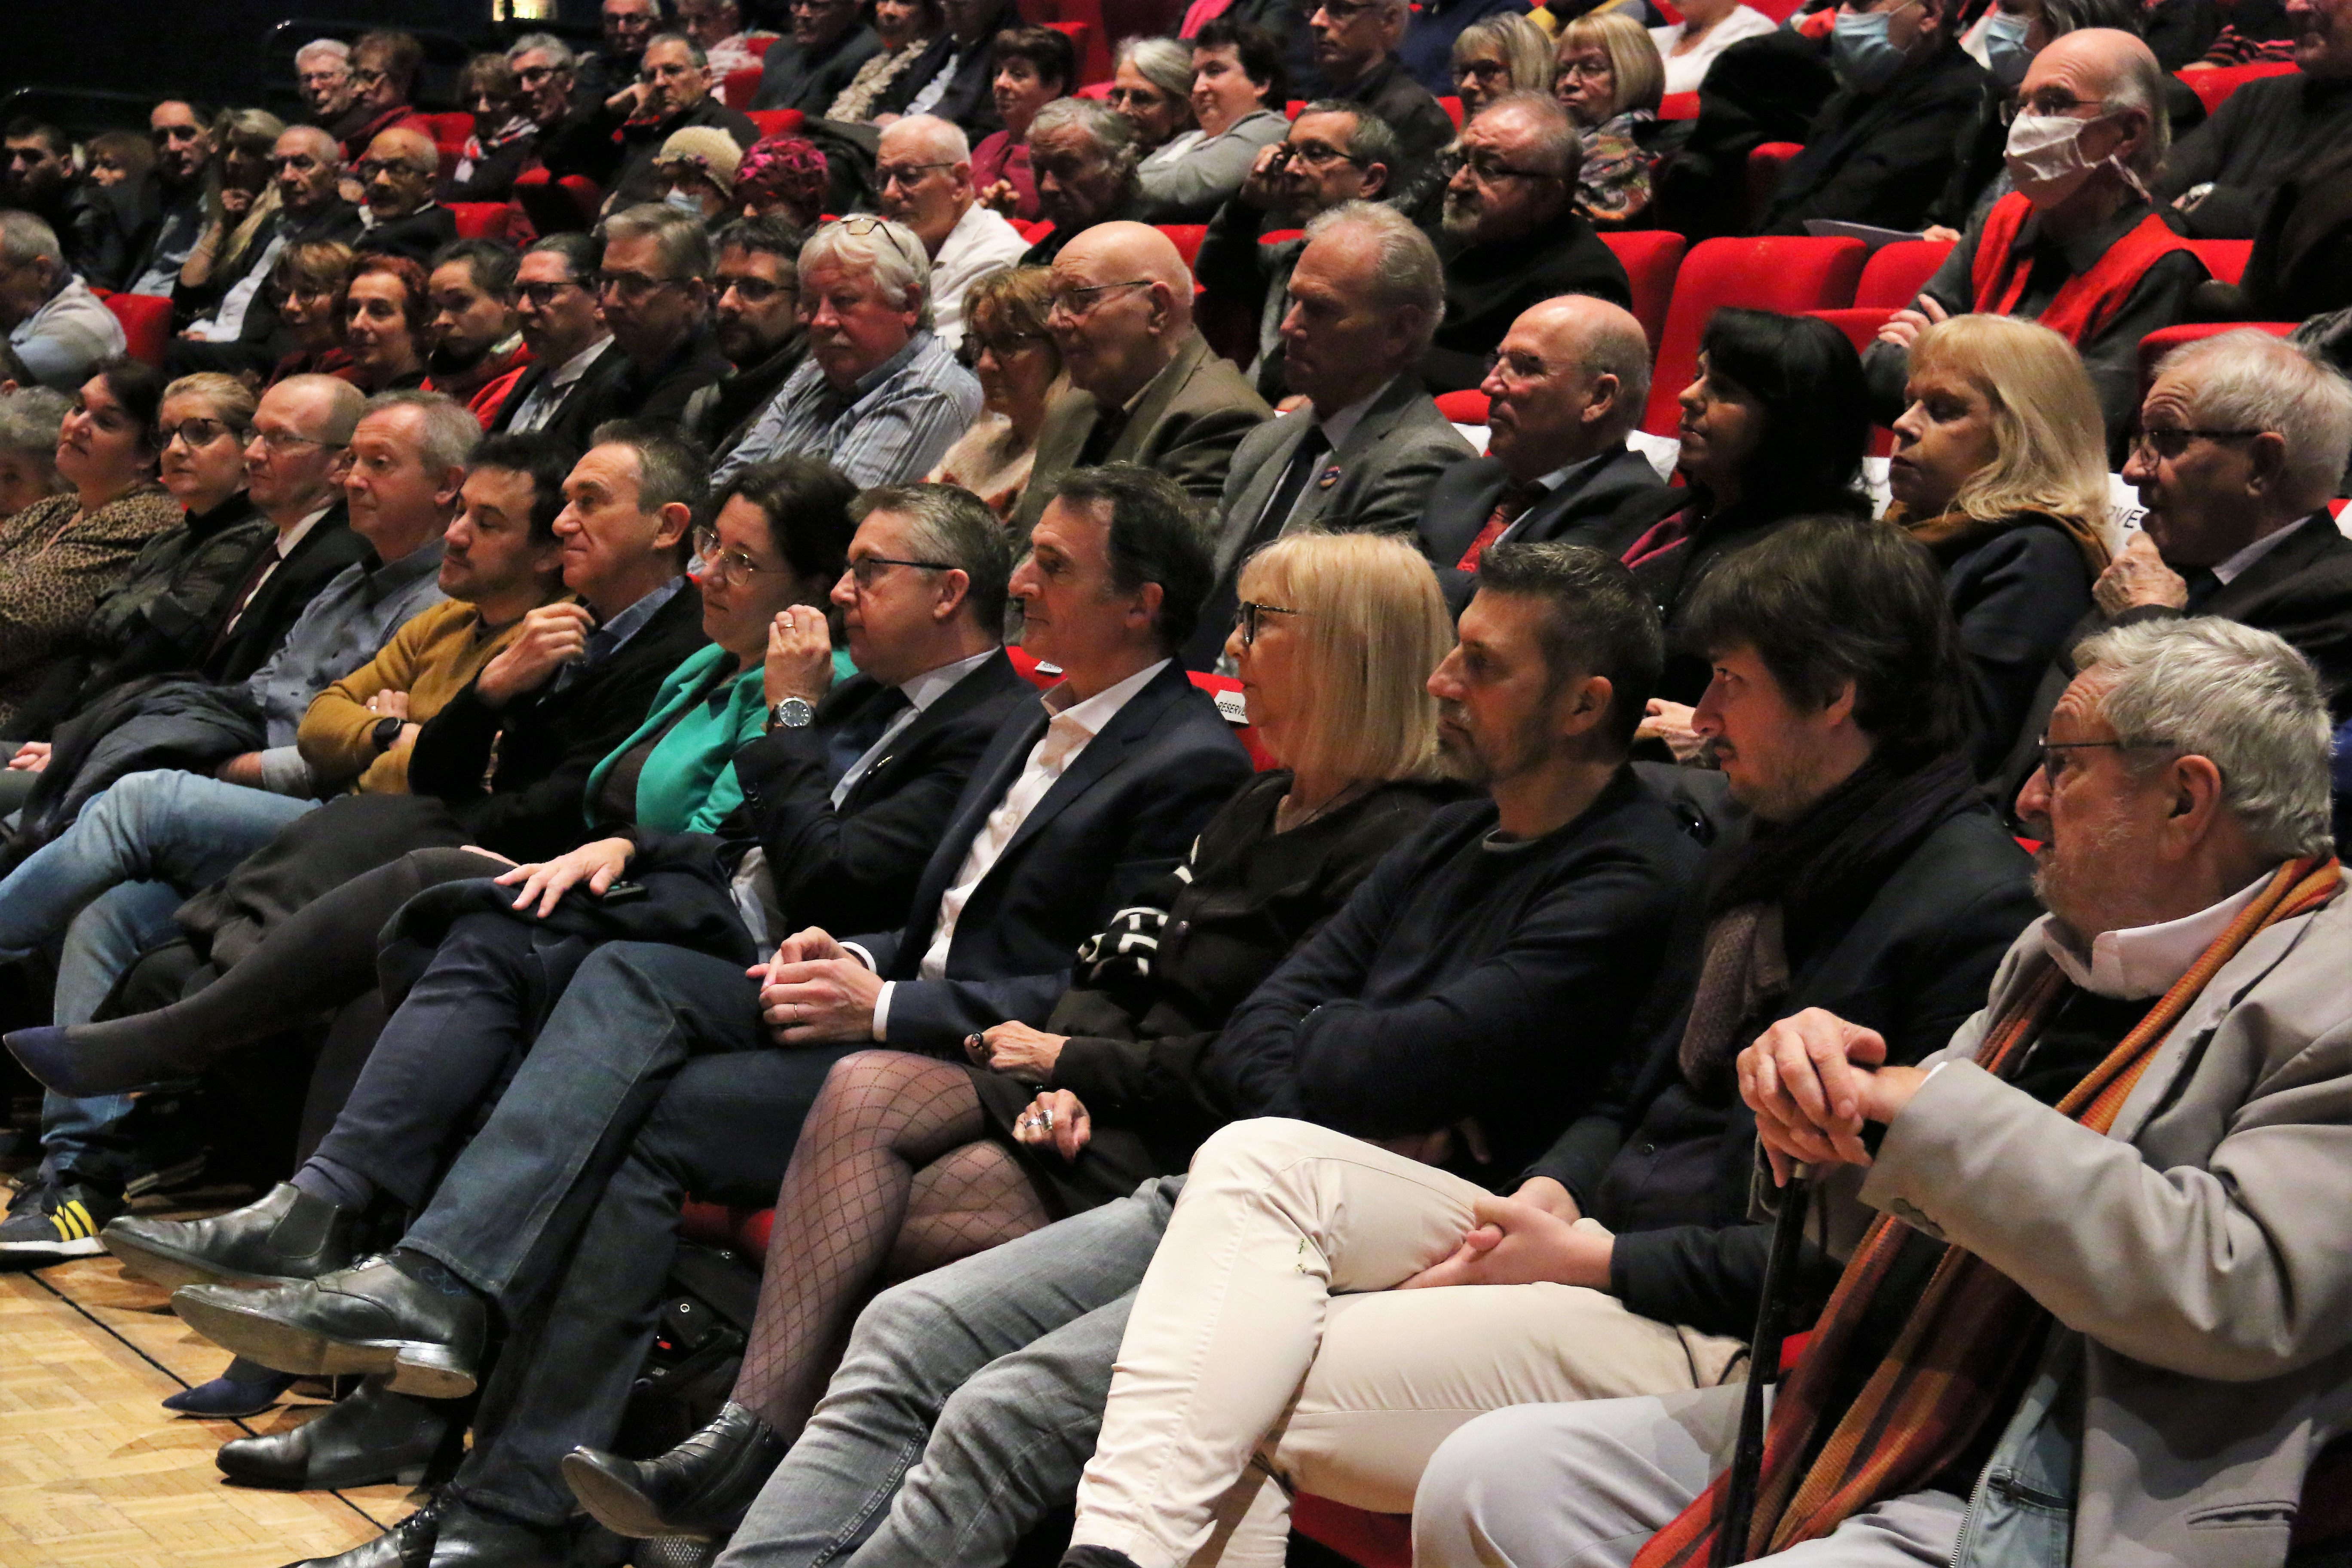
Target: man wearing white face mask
x,y
1884,145
2075,246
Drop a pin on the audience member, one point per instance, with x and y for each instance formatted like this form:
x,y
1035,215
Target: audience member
x,y
672,93
717,30
695,172
2242,440
59,556
1145,386
1355,51
59,330
241,325
477,353
239,184
1512,233
924,180
386,313
401,217
1152,84
1013,357
306,287
322,72
2220,176
1885,144
1034,66
1430,38
627,26
1333,153
1690,46
505,137
903,29
1500,53
786,177
654,290
118,158
2186,778
1436,993
1999,468
977,1164
576,375
1609,80
878,396
383,84
564,114
808,69
1083,156
1362,456
164,219
1237,97
953,76
32,418
1570,383
2075,246
1771,430
755,311
39,179
1874,882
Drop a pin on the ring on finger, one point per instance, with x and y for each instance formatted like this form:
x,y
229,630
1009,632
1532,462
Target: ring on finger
x,y
1046,1120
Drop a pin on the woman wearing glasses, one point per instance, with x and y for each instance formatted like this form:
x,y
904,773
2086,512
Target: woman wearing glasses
x,y
1502,52
1610,80
1019,371
906,1163
58,556
307,283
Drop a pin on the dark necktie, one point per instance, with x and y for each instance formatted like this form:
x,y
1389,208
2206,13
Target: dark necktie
x,y
852,740
2202,586
1509,506
1225,599
1110,423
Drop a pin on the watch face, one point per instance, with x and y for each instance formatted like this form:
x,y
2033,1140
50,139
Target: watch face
x,y
794,713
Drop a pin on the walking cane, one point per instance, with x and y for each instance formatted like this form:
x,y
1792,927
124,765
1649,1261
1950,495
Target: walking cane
x,y
1763,1361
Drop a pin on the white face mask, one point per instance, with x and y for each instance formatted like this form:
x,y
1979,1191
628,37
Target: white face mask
x,y
2045,158
684,201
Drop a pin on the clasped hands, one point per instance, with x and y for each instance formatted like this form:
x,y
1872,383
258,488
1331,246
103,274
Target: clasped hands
x,y
815,991
1813,1079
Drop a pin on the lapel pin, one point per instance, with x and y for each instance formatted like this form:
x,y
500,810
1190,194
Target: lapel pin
x,y
1330,476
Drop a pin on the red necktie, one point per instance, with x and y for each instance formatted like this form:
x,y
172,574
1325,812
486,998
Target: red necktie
x,y
1515,501
1670,534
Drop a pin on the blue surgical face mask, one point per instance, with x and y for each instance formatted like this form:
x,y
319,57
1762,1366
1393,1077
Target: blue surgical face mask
x,y
685,202
1860,53
2006,55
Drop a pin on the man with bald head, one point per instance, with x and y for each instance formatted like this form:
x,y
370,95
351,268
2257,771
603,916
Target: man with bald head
x,y
1360,457
1145,386
923,179
1570,381
1512,233
238,331
2083,252
401,217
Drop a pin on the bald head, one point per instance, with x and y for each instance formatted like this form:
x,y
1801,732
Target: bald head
x,y
1123,306
306,163
397,172
925,139
2112,81
1571,377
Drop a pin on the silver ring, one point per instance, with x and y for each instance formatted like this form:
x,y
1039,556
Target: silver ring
x,y
788,619
1046,1120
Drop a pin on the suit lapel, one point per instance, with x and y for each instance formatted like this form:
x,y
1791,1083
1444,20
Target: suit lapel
x,y
2314,538
1102,753
1152,408
1354,454
998,767
1241,517
975,687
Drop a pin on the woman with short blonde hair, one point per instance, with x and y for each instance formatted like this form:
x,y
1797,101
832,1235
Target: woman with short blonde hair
x,y
1502,52
1607,75
1999,468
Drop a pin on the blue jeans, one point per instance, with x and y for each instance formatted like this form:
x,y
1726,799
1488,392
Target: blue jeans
x,y
109,884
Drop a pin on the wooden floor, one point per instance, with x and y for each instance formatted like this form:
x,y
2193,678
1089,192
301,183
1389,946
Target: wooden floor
x,y
93,1470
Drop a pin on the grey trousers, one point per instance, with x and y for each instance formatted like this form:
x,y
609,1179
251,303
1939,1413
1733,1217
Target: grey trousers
x,y
966,1406
1586,1486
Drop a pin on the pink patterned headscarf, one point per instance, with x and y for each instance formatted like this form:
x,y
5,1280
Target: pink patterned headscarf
x,y
785,171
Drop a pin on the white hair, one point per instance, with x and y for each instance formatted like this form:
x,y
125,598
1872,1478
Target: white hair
x,y
340,50
24,237
1163,62
2240,698
887,252
2249,380
944,138
559,53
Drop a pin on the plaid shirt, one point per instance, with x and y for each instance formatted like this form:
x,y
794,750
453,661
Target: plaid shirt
x,y
893,426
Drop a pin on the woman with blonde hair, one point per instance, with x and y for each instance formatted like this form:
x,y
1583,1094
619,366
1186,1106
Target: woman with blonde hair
x,y
906,1163
1608,76
1999,468
1020,370
240,199
1502,53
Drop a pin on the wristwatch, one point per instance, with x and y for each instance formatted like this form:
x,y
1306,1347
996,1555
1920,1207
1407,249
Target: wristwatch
x,y
792,713
386,731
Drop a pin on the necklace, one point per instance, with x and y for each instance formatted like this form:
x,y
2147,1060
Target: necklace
x,y
1285,821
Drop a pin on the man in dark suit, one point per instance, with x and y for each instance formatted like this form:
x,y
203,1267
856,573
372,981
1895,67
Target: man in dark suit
x,y
806,69
1145,387
402,219
2236,483
672,91
571,384
654,288
1513,235
1571,379
1365,297
1356,51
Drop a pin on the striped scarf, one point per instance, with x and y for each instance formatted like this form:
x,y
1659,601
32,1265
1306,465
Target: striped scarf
x,y
1942,1380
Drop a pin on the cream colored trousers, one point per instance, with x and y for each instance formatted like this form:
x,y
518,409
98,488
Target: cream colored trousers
x,y
1267,1339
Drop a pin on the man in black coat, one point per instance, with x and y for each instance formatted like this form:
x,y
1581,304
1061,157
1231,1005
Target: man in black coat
x,y
755,309
1355,50
672,93
1512,235
237,327
398,173
573,382
655,292
808,67
954,76
1568,387
1885,144
2222,176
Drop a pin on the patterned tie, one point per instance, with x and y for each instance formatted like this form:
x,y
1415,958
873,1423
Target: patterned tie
x,y
1508,507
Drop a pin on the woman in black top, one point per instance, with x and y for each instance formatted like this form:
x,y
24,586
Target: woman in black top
x,y
1999,468
907,1163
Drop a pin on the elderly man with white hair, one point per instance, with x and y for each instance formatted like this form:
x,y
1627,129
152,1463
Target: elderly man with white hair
x,y
923,173
58,327
322,69
880,397
2102,1307
2075,246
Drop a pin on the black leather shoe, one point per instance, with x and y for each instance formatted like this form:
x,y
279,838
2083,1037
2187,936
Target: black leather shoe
x,y
286,1237
370,1319
699,1490
408,1544
470,1538
370,1438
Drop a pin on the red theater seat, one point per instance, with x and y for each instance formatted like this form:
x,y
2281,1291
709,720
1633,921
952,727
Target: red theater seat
x,y
1765,163
1896,273
1650,257
738,88
450,130
1468,408
759,46
1678,106
1097,91
1787,275
1185,236
1032,229
775,122
146,325
558,207
480,220
1452,107
2213,88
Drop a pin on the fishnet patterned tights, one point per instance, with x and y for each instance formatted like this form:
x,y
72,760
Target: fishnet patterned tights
x,y
891,1178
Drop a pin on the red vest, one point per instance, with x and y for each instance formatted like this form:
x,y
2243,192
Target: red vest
x,y
2084,303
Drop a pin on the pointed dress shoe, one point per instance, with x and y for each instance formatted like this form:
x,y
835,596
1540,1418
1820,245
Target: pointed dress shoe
x,y
370,1318
368,1437
700,1489
280,1239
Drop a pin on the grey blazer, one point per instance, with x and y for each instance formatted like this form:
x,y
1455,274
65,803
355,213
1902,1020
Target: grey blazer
x,y
2195,1259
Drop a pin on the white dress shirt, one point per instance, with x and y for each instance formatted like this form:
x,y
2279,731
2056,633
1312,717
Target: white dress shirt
x,y
921,692
2144,961
980,243
548,395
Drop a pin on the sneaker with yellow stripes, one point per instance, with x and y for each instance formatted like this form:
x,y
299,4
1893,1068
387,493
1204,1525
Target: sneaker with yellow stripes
x,y
51,1221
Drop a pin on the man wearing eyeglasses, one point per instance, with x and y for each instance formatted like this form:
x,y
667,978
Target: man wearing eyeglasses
x,y
1355,44
237,328
571,384
400,217
672,93
879,396
1512,233
51,319
756,306
2242,440
923,173
654,289
322,70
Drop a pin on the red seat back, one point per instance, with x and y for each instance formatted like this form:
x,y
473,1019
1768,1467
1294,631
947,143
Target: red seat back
x,y
1291,107
146,324
1678,106
1787,275
1185,236
775,122
1651,257
2158,343
1032,229
557,206
480,220
759,46
1465,407
450,130
1764,165
2213,88
1097,91
1896,273
1452,107
738,88
2224,259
